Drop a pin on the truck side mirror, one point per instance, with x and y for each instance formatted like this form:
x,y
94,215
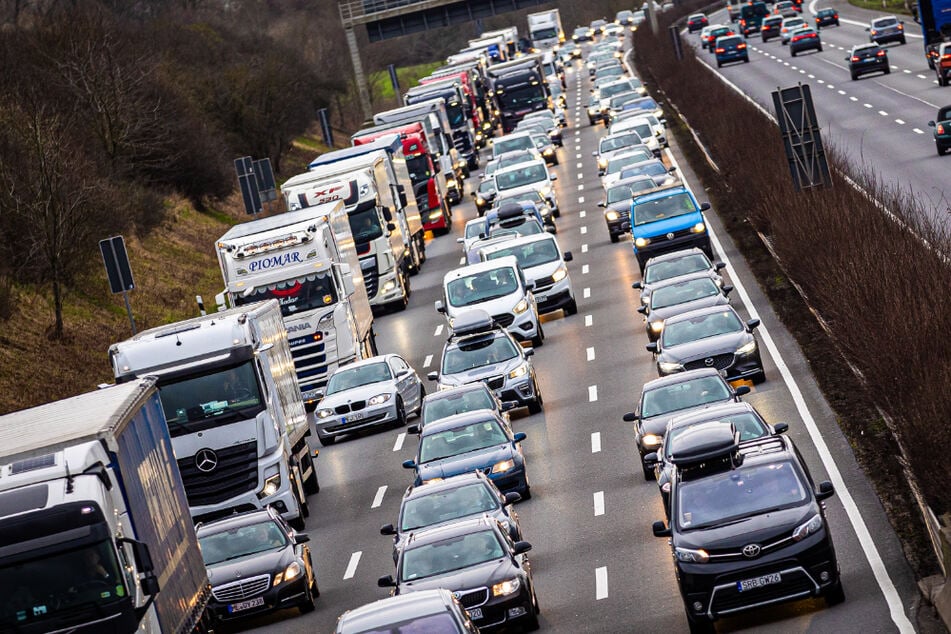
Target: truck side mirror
x,y
220,297
387,213
390,227
402,195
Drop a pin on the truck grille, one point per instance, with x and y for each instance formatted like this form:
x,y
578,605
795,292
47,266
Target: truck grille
x,y
235,473
505,320
371,276
473,598
241,589
310,360
720,362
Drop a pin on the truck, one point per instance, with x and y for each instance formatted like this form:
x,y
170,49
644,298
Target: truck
x,y
495,47
94,524
466,78
429,186
432,114
544,29
509,35
306,260
934,16
459,112
472,74
518,88
234,411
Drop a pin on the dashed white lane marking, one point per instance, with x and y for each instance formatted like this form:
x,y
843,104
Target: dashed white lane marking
x,y
883,113
821,81
813,77
598,503
584,230
584,248
578,155
590,354
462,261
867,105
400,439
588,321
580,200
596,442
584,269
600,583
438,330
580,165
582,213
355,559
427,360
907,72
917,131
580,175
580,188
899,122
378,498
841,92
592,393
921,77
853,98
586,293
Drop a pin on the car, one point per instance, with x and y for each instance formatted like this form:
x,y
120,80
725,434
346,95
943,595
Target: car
x,y
617,87
867,58
547,115
827,17
663,176
543,124
472,441
696,22
569,52
789,25
942,63
498,287
477,561
617,203
644,105
635,155
619,102
593,109
668,220
425,611
747,422
474,230
804,39
610,70
638,125
527,226
713,337
752,15
484,194
532,176
614,30
942,130
464,398
718,31
256,564
543,205
544,144
381,390
785,8
731,48
481,350
679,295
449,500
705,34
675,395
582,34
736,548
515,157
612,144
770,28
673,265
598,26
545,266
624,17
886,29
512,142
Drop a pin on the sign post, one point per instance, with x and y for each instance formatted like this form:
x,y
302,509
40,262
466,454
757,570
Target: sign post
x,y
116,259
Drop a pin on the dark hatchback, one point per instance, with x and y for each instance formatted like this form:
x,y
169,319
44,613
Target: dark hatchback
x,y
942,130
771,27
827,17
886,29
867,58
730,49
671,265
804,39
696,22
681,295
479,563
427,611
737,548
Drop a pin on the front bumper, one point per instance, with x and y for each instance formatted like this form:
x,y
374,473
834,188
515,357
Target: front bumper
x,y
658,247
498,611
389,290
513,480
522,391
558,297
285,595
347,423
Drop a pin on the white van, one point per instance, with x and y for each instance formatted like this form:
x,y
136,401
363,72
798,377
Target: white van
x,y
499,288
543,262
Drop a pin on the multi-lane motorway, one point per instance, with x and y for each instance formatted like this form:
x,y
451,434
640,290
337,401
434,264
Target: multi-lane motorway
x,y
597,566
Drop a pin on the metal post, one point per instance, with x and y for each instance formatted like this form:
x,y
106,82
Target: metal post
x,y
358,73
128,309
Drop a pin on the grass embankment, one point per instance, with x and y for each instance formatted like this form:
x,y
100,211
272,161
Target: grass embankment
x,y
408,76
888,6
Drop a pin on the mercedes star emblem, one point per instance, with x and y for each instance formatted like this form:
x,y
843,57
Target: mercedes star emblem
x,y
206,460
751,550
708,361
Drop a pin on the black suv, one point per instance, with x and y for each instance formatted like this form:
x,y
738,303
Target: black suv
x,y
867,58
827,17
747,527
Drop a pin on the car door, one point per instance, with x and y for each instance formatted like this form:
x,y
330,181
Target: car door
x,y
406,382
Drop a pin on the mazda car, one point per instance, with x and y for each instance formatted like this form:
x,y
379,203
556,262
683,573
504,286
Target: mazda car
x,y
681,295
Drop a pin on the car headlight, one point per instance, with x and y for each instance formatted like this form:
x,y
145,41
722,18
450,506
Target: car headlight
x,y
698,228
592,110
379,399
560,273
521,370
670,180
805,530
651,440
548,151
657,326
288,574
689,556
642,91
506,588
658,113
667,366
602,163
271,486
480,201
520,307
612,215
503,466
749,348
641,242
325,412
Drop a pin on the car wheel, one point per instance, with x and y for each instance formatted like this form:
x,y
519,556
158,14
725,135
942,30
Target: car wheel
x,y
719,65
903,40
760,377
539,339
835,595
888,70
793,53
700,625
530,620
854,76
615,237
555,161
526,491
535,405
819,49
572,307
400,412
306,606
941,150
422,395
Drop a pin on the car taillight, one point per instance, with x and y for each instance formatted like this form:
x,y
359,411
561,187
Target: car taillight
x,y
901,28
836,16
880,54
855,58
741,46
742,22
946,56
720,50
940,128
813,35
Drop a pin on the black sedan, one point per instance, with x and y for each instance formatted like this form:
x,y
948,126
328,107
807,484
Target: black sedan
x,y
681,295
490,574
664,398
712,337
256,564
617,206
942,130
867,58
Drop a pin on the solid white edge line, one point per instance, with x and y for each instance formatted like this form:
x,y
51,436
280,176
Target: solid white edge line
x,y
352,566
598,503
600,583
596,442
378,498
400,439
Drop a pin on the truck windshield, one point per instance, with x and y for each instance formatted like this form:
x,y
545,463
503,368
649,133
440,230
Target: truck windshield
x,y
521,96
74,584
545,34
217,397
365,225
296,295
456,114
419,168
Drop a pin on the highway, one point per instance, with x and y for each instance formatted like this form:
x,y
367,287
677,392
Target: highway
x,y
597,566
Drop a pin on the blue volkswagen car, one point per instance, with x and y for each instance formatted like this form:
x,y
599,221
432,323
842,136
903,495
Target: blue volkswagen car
x,y
668,220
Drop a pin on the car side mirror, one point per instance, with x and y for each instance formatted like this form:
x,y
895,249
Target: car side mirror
x,y
630,417
318,395
637,285
432,376
704,206
414,429
567,257
461,240
652,347
440,307
727,289
847,58
550,229
301,538
671,170
387,529
742,390
642,310
553,177
651,459
601,203
409,464
719,266
508,406
386,581
931,124
529,286
512,497
826,490
867,28
519,437
780,428
660,529
752,324
521,547
390,226
529,352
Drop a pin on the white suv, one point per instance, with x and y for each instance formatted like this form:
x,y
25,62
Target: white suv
x,y
543,263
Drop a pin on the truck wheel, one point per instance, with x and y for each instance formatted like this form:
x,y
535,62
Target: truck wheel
x,y
421,247
311,484
299,522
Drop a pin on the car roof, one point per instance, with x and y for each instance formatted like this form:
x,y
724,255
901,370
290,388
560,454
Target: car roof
x,y
518,166
456,391
632,179
444,531
517,240
368,361
680,279
459,420
479,267
235,521
395,609
675,255
701,312
663,193
712,412
446,484
681,377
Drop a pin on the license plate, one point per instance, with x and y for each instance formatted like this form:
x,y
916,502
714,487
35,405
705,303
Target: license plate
x,y
475,613
353,416
759,582
246,605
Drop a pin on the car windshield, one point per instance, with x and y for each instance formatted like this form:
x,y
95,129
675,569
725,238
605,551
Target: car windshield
x,y
700,327
661,208
219,396
610,71
529,254
624,192
514,158
624,98
615,89
349,378
482,286
521,177
884,22
242,541
666,269
793,24
618,141
460,440
736,494
450,554
683,395
473,229
654,168
447,505
295,295
944,114
747,424
486,187
442,406
683,292
618,163
468,356
512,144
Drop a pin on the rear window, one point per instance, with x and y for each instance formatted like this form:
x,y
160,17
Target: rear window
x,y
885,22
729,41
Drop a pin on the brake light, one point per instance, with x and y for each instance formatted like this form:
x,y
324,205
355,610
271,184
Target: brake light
x,y
946,56
720,50
741,46
901,28
940,128
880,54
855,58
742,22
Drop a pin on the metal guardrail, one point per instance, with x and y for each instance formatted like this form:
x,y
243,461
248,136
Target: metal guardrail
x,y
359,10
